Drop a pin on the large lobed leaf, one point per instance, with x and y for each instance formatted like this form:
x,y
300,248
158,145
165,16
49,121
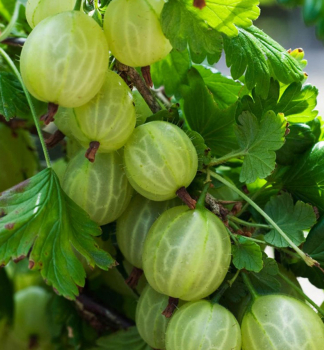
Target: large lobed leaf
x,y
40,221
295,101
305,179
258,56
171,72
203,115
183,28
258,141
247,255
292,219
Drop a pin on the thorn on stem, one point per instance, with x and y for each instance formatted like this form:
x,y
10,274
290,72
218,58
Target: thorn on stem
x,y
49,116
92,151
54,139
183,194
172,305
134,277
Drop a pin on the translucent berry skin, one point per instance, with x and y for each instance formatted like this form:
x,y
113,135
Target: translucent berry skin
x,y
37,10
108,118
64,59
18,157
134,224
160,159
100,188
150,322
281,322
186,253
30,316
134,32
204,326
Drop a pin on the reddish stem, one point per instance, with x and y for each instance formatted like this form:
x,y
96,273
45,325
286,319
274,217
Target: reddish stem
x,y
134,277
49,116
172,305
183,194
92,151
146,72
54,139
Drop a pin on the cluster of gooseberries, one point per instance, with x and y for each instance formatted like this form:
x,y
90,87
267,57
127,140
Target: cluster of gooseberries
x,y
135,171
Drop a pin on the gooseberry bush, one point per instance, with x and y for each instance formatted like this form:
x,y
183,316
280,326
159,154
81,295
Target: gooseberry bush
x,y
149,224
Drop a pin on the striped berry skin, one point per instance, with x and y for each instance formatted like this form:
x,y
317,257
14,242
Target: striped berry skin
x,y
134,224
134,32
186,253
37,10
108,118
204,326
160,159
64,59
100,188
150,322
280,322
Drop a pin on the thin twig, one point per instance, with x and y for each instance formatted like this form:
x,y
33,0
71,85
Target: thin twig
x,y
118,321
143,89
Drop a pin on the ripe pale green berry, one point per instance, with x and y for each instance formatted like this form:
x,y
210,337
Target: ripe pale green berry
x,y
134,32
109,118
30,317
280,322
134,224
100,188
150,322
160,159
186,253
142,109
18,158
37,10
64,59
204,326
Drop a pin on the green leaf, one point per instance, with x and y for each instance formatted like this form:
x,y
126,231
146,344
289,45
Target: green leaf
x,y
300,139
183,28
247,255
7,293
236,292
203,151
258,142
203,116
123,340
305,179
258,56
314,244
292,219
313,274
266,281
40,221
225,90
171,72
298,103
12,97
